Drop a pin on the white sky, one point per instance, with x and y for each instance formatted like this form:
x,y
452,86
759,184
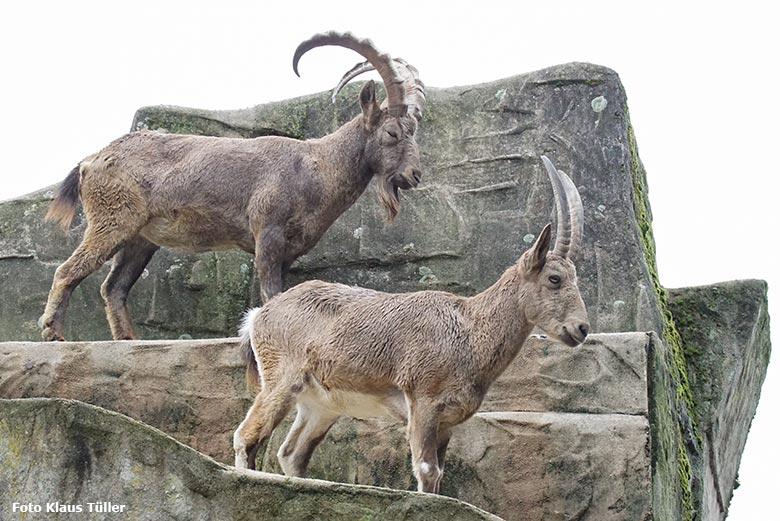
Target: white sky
x,y
701,79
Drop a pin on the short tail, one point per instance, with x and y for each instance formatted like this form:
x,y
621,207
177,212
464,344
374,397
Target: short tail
x,y
247,352
66,200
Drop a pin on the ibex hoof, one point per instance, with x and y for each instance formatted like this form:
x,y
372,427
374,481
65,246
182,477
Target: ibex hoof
x,y
239,447
49,335
241,461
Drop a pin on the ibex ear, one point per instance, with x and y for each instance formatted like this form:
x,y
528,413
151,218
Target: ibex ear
x,y
534,259
371,111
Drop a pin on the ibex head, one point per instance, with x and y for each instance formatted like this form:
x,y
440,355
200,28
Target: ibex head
x,y
391,151
550,278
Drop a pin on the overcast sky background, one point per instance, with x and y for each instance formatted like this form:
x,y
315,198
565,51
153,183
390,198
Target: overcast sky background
x,y
701,79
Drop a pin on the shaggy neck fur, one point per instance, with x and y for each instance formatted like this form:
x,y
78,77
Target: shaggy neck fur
x,y
341,151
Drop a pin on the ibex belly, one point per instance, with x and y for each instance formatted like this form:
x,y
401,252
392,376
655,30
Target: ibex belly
x,y
355,404
195,232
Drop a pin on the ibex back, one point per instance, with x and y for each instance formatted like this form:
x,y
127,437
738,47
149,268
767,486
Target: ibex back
x,y
426,358
271,196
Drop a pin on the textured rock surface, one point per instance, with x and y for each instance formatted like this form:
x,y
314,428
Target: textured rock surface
x,y
599,463
607,374
725,328
671,477
194,296
194,390
520,465
484,197
67,451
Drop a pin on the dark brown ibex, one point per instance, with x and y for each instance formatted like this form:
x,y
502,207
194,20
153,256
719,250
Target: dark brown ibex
x,y
271,196
427,358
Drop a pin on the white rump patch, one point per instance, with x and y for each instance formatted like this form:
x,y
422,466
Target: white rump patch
x,y
245,330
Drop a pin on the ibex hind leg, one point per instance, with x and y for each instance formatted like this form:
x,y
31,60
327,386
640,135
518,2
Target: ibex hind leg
x,y
270,407
129,264
99,244
309,429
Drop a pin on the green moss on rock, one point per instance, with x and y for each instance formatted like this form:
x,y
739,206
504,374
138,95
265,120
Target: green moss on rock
x,y
181,122
684,406
725,329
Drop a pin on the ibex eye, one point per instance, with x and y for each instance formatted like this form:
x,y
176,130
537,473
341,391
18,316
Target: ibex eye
x,y
392,134
554,279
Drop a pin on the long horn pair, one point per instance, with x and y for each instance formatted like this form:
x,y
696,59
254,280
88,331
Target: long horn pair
x,y
405,91
568,236
413,85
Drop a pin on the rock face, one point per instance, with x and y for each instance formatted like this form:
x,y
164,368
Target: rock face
x,y
519,465
557,422
80,455
725,328
193,390
483,199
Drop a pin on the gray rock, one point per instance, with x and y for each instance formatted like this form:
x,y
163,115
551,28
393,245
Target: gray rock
x,y
555,466
77,454
484,197
195,391
510,463
725,328
192,390
607,374
519,465
672,483
483,191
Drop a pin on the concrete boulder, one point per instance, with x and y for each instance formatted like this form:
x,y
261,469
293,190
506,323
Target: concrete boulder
x,y
61,456
551,427
725,327
483,198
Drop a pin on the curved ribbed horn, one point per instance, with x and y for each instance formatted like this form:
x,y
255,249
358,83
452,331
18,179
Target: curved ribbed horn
x,y
352,73
413,85
563,229
382,62
576,214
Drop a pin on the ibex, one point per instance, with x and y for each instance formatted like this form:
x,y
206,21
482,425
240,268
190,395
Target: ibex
x,y
426,358
271,196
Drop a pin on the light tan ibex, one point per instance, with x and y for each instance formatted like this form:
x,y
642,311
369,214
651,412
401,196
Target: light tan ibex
x,y
271,196
427,358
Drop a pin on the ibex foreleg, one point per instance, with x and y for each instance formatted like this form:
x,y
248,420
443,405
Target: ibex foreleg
x,y
270,264
444,440
423,432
